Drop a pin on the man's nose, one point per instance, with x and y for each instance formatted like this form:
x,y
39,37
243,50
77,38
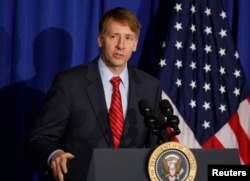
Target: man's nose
x,y
120,43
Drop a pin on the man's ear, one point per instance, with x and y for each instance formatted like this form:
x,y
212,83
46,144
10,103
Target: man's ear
x,y
100,40
135,46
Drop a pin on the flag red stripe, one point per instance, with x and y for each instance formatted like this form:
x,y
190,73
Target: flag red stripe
x,y
243,140
213,142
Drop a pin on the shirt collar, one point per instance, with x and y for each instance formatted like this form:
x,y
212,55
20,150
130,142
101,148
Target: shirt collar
x,y
106,74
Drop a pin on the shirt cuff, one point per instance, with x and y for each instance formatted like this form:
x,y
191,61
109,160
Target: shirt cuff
x,y
54,152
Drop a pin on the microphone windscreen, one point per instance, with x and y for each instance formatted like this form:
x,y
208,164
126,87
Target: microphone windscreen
x,y
144,107
166,108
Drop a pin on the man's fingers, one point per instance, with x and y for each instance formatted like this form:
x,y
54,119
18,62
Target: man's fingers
x,y
70,156
64,165
57,169
59,165
60,175
67,156
53,168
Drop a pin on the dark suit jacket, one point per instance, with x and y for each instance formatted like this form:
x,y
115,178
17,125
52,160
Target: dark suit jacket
x,y
75,118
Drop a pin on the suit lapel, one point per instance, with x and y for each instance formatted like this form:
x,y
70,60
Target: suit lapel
x,y
96,96
131,121
134,94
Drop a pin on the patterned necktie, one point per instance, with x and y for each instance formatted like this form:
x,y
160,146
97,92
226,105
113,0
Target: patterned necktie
x,y
116,112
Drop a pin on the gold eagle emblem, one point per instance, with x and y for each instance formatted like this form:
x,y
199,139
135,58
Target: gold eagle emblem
x,y
172,167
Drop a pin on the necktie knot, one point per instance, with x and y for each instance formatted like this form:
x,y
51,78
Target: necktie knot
x,y
115,81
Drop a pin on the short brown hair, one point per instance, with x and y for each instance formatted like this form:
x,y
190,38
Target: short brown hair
x,y
123,16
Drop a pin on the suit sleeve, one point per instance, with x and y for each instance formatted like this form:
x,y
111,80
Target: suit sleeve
x,y
49,127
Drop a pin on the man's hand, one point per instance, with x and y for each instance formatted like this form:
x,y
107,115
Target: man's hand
x,y
58,164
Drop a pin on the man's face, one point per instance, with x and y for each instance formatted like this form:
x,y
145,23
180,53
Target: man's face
x,y
117,43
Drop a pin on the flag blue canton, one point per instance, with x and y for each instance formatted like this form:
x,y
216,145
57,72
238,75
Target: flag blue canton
x,y
200,68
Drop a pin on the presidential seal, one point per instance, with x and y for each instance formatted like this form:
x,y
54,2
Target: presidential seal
x,y
172,161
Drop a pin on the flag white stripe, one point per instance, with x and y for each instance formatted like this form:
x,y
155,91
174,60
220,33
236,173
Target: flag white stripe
x,y
227,137
244,116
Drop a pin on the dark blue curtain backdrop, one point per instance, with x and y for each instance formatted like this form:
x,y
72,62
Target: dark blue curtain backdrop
x,y
39,38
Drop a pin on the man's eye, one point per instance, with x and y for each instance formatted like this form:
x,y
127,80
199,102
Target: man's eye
x,y
113,36
129,38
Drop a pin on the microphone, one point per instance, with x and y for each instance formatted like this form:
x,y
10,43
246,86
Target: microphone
x,y
149,118
172,120
145,108
166,108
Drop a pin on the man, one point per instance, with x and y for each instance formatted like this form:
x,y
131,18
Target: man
x,y
75,119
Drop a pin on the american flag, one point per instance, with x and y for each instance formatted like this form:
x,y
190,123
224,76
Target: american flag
x,y
202,76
